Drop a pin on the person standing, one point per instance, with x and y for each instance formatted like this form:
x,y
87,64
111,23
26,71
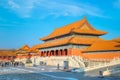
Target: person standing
x,y
58,66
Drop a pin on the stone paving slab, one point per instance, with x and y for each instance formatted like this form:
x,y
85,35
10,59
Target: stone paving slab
x,y
24,77
42,73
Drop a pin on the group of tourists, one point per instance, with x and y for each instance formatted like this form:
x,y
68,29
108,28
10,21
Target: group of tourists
x,y
10,64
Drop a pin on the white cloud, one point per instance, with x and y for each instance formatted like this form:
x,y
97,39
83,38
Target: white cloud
x,y
44,8
58,8
13,4
117,4
21,7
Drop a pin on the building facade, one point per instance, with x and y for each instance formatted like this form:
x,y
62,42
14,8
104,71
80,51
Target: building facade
x,y
78,39
64,40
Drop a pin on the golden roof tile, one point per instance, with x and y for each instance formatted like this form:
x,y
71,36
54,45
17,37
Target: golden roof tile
x,y
81,27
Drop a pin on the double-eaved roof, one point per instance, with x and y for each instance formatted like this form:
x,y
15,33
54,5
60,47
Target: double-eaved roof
x,y
80,27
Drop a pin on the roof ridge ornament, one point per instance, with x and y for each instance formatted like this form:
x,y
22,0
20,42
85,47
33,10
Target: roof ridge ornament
x,y
84,17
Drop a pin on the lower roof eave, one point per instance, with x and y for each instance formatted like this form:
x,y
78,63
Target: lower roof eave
x,y
51,46
99,51
64,44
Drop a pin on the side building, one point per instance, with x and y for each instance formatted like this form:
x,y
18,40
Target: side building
x,y
26,52
7,54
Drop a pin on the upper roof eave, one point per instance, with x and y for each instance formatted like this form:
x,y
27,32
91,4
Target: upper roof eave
x,y
72,28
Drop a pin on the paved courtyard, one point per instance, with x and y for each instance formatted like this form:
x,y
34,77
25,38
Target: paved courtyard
x,y
45,73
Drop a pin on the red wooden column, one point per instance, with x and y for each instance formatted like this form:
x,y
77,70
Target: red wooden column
x,y
44,54
63,52
70,52
54,53
48,53
59,54
40,53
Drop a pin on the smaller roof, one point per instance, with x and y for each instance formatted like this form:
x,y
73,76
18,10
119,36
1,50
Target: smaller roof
x,y
33,49
103,46
101,56
8,53
24,48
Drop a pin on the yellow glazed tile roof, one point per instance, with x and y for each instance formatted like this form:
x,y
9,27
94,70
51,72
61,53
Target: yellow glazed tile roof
x,y
103,46
8,53
24,48
33,49
82,27
101,56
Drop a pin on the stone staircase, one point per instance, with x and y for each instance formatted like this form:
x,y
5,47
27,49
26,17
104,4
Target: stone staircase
x,y
79,61
54,60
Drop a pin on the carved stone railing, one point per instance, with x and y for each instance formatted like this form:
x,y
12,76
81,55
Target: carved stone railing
x,y
115,61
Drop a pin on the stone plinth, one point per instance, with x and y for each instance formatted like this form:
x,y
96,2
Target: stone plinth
x,y
28,64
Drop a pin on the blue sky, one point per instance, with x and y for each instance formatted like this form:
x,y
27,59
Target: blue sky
x,y
25,21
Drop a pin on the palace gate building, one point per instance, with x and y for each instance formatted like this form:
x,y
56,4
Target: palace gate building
x,y
79,43
65,40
